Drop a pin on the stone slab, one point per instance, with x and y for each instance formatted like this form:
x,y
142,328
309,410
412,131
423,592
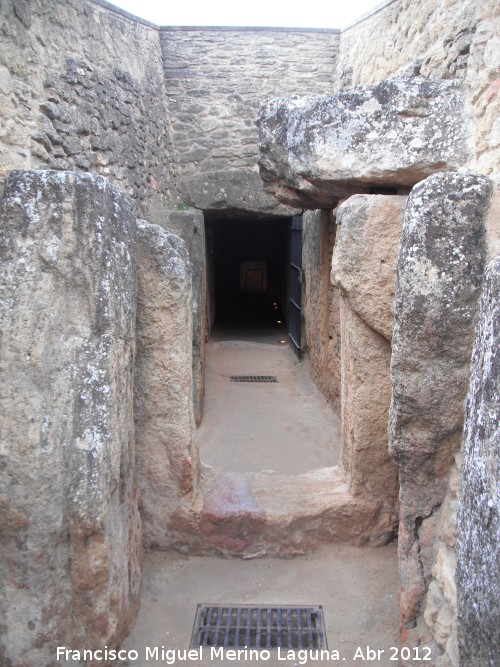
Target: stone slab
x,y
478,555
440,270
70,530
366,254
317,150
167,455
231,192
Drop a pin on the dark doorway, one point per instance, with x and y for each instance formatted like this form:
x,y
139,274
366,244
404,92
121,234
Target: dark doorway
x,y
248,263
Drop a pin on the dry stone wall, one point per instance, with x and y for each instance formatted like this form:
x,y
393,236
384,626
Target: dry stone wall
x,y
437,39
216,79
81,88
71,542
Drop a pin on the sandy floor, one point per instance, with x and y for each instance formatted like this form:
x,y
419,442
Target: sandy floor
x,y
286,426
356,586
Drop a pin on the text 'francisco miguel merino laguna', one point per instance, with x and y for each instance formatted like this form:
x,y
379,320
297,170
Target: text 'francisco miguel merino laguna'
x,y
171,656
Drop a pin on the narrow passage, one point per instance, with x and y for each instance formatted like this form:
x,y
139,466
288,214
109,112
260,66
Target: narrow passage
x,y
287,426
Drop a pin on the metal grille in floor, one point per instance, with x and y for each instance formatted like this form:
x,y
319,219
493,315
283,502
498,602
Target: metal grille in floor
x,y
249,626
254,378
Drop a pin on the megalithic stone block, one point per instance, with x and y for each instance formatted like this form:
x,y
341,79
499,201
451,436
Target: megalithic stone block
x,y
440,271
366,254
70,534
317,150
478,555
167,454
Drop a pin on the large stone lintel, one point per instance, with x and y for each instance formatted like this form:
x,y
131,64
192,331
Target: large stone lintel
x,y
232,193
318,150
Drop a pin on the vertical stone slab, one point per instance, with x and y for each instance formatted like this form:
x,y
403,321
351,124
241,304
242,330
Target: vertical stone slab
x,y
440,269
190,226
167,454
366,255
70,530
364,270
366,396
321,303
478,554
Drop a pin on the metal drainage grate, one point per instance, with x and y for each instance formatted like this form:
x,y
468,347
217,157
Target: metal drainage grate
x,y
259,627
254,378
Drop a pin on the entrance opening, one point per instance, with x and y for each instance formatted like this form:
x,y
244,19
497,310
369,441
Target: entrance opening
x,y
248,276
262,411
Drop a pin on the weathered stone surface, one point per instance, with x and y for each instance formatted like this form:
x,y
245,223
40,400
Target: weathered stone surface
x,y
457,38
244,514
167,456
237,191
85,91
366,254
231,520
215,80
317,150
71,536
190,226
440,270
478,568
321,303
366,396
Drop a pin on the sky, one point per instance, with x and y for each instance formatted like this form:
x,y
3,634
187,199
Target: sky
x,y
272,13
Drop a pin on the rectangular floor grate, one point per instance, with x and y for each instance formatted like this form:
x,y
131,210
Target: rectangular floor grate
x,y
254,378
250,626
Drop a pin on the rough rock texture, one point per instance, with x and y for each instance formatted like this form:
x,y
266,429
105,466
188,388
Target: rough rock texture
x,y
317,150
438,40
190,226
366,396
71,535
321,303
82,88
244,513
167,456
478,555
363,269
440,269
365,258
231,192
216,78
439,561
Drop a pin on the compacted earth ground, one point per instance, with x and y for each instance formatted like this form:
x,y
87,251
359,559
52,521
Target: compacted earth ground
x,y
356,587
287,427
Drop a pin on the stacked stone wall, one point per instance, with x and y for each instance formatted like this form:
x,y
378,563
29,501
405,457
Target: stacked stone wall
x,y
217,78
437,39
81,88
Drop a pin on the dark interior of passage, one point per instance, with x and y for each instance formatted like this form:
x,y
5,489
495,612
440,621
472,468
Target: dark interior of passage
x,y
248,266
